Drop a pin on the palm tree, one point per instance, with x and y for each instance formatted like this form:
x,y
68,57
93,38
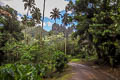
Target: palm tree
x,y
36,16
69,6
65,21
55,14
24,21
28,4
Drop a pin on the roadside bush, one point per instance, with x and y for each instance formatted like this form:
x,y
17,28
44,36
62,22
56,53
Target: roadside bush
x,y
19,72
31,62
13,51
60,60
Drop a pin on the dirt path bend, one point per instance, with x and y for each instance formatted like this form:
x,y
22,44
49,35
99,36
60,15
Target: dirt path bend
x,y
82,72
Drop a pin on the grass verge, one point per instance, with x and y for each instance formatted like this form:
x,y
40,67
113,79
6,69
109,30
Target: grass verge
x,y
75,60
66,75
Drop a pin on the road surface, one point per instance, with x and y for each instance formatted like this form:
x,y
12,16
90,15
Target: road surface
x,y
82,72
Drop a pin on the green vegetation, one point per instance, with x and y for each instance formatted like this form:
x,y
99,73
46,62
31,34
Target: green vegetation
x,y
22,60
75,60
31,60
28,52
98,29
66,75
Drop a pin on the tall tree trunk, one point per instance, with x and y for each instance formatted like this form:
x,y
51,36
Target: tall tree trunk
x,y
27,26
65,41
25,34
42,23
28,11
55,21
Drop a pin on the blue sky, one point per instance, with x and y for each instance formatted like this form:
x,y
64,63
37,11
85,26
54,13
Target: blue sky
x,y
50,4
47,26
47,21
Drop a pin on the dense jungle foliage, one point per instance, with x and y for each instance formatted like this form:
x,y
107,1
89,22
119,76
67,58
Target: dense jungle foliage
x,y
98,28
20,60
35,56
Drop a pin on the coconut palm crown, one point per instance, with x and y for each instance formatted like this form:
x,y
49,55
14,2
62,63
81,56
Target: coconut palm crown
x,y
55,14
36,15
28,4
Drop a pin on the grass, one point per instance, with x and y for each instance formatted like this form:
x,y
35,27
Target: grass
x,y
87,58
75,60
66,75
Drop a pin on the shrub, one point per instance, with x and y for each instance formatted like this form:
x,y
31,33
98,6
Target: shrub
x,y
19,72
60,60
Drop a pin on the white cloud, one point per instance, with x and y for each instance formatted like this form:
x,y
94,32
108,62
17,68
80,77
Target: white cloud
x,y
44,24
69,12
19,18
1,4
16,4
49,23
50,4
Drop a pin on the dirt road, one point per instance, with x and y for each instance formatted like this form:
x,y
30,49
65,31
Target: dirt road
x,y
82,72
